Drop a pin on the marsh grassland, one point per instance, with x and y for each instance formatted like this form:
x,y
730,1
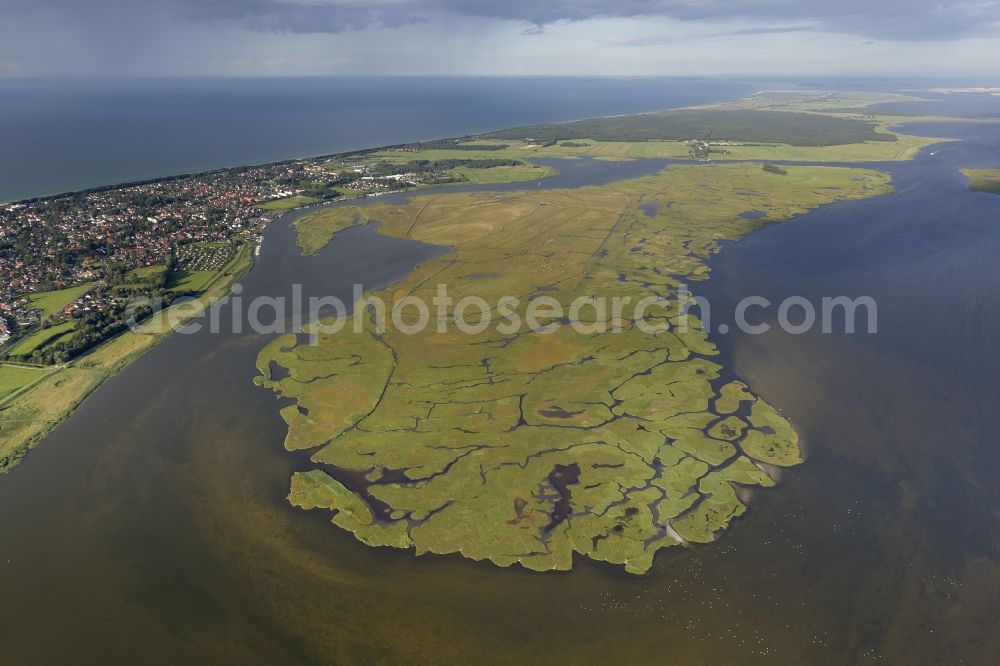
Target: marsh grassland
x,y
984,180
806,126
533,447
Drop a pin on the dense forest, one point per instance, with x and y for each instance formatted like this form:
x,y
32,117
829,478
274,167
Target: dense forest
x,y
422,166
455,144
459,143
797,129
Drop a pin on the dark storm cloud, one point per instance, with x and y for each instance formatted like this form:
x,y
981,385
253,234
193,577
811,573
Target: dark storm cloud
x,y
299,16
894,19
652,40
897,19
302,16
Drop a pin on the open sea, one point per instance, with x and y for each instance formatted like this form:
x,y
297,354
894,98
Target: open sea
x,y
61,135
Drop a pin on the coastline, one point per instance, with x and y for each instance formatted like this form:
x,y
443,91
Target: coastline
x,y
166,488
114,355
738,103
56,395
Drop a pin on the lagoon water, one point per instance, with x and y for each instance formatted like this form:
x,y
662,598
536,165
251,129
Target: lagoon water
x,y
152,525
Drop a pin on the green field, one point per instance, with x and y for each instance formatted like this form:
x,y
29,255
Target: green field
x,y
984,180
13,378
189,280
287,204
141,279
505,174
147,273
42,337
52,302
530,448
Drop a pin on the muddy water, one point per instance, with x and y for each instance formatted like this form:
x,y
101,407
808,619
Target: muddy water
x,y
891,531
152,526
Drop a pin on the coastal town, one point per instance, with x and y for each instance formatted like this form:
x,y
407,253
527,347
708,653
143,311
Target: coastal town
x,y
76,258
54,245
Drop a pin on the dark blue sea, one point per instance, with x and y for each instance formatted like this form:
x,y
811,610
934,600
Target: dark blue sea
x,y
60,135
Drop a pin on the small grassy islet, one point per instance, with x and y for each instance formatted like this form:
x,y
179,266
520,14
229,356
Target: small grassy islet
x,y
983,180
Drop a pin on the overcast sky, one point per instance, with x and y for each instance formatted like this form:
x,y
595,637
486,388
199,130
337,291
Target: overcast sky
x,y
493,37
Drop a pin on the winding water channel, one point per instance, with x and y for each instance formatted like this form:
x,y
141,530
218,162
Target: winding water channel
x,y
152,525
